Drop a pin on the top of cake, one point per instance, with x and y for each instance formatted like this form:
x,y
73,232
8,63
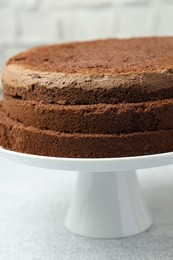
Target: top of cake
x,y
103,71
108,57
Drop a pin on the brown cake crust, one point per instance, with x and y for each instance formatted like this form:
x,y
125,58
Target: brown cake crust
x,y
98,119
107,71
99,99
14,136
109,57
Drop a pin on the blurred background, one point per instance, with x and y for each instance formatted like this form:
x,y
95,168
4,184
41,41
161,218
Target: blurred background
x,y
27,23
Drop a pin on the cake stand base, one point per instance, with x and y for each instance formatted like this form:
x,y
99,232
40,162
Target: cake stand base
x,y
107,205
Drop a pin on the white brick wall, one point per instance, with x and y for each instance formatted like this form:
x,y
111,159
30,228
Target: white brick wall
x,y
34,27
26,23
88,24
7,26
132,20
76,4
165,19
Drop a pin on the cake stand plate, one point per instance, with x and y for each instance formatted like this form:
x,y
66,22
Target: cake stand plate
x,y
107,202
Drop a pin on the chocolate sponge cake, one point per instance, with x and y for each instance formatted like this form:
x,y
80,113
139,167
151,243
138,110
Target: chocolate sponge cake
x,y
106,98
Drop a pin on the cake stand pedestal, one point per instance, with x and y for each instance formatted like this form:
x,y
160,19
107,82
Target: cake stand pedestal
x,y
107,205
107,202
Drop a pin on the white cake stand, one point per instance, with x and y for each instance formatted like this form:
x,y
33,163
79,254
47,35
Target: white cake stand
x,y
107,202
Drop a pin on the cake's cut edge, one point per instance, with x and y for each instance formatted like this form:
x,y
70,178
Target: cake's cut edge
x,y
14,136
93,119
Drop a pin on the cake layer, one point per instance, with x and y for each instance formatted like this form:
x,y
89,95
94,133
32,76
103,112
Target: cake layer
x,y
16,137
105,71
100,118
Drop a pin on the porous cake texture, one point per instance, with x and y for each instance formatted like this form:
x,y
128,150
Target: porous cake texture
x,y
98,99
